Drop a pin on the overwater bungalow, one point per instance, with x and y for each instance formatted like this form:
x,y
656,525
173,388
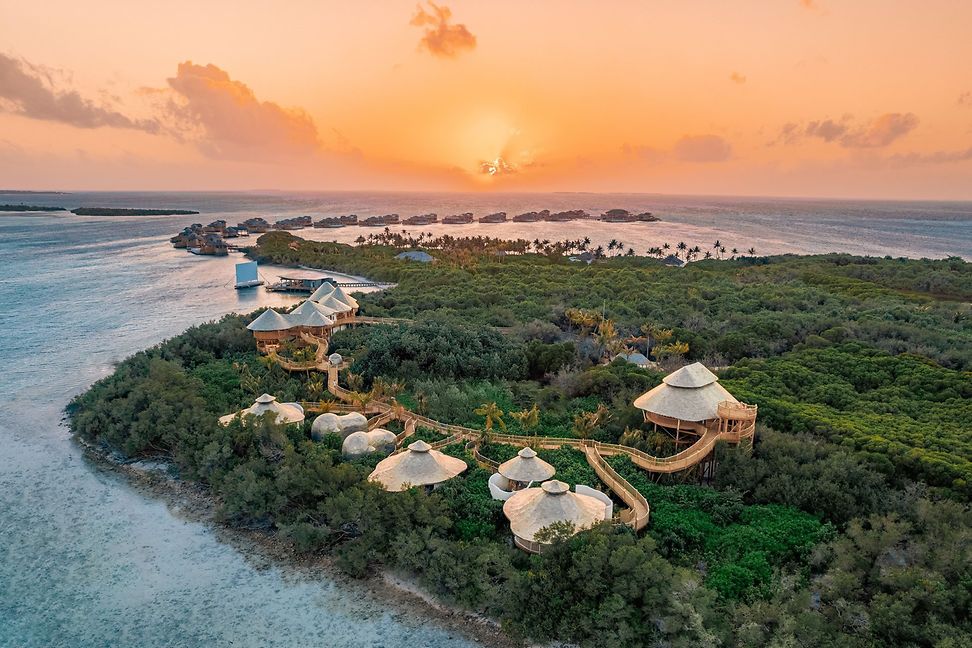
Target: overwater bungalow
x,y
299,282
458,219
690,402
209,245
532,509
256,225
417,465
520,471
421,219
498,217
282,412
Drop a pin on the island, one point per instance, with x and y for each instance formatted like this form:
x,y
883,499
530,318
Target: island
x,y
27,208
117,211
737,451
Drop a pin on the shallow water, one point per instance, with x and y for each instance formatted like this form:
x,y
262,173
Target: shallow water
x,y
85,560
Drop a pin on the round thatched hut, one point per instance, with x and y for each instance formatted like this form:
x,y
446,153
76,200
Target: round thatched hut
x,y
532,509
519,471
692,400
283,412
418,465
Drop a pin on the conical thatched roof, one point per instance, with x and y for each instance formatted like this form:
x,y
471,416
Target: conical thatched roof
x,y
526,466
532,509
283,412
322,291
310,314
334,304
342,296
270,320
419,465
692,393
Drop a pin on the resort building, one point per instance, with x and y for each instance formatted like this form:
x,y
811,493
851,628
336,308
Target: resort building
x,y
283,412
520,471
323,312
532,509
690,402
417,465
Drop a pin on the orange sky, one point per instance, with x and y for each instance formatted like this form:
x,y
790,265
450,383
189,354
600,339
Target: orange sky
x,y
849,98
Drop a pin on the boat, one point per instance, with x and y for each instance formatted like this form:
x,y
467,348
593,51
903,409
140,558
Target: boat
x,y
421,219
247,275
498,217
458,219
299,282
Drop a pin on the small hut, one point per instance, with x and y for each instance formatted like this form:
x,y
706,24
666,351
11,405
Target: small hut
x,y
418,465
532,509
271,328
518,472
283,412
692,400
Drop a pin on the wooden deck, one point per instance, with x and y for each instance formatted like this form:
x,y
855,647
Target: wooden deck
x,y
636,515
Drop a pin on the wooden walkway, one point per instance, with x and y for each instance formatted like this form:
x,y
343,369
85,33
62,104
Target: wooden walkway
x,y
636,515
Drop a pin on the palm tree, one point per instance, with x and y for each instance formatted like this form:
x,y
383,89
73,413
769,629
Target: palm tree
x,y
681,247
586,423
528,419
751,251
492,415
315,386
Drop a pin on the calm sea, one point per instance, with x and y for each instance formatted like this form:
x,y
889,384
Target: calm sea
x,y
87,561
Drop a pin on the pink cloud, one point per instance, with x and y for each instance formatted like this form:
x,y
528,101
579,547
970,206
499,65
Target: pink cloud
x,y
229,121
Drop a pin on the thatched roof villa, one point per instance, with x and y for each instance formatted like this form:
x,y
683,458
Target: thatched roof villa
x,y
512,475
283,412
532,509
418,465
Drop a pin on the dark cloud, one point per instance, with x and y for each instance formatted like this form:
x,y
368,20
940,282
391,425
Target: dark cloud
x,y
30,91
736,77
441,37
879,132
227,120
702,148
689,148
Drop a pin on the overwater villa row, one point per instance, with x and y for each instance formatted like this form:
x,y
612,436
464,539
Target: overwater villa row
x,y
689,405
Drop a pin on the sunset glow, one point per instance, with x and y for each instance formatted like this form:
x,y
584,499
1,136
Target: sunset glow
x,y
825,98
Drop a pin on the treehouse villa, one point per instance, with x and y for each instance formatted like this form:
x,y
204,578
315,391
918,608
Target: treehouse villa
x,y
324,311
690,402
282,412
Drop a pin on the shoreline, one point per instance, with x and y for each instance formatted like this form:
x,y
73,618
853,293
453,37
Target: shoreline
x,y
263,549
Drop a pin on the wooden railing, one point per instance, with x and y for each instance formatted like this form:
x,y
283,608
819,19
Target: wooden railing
x,y
636,515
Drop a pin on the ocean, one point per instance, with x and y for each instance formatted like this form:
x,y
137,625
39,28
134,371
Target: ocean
x,y
86,560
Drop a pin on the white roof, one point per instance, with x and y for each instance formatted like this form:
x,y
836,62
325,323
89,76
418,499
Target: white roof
x,y
283,412
532,509
526,466
270,320
322,292
419,465
344,297
335,304
692,393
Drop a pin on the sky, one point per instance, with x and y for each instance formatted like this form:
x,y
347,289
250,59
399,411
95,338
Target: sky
x,y
817,98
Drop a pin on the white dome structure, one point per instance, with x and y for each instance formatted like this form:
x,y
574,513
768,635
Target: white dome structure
x,y
357,444
335,359
418,465
331,423
283,412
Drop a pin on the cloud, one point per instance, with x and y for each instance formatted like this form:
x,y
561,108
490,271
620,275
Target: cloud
x,y
877,133
965,99
442,38
881,131
809,4
736,77
30,91
688,148
226,119
936,157
828,130
702,148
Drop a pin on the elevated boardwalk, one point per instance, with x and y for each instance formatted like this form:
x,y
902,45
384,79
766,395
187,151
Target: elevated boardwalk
x,y
739,424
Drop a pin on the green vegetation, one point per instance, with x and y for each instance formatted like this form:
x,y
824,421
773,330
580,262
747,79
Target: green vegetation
x,y
26,208
117,211
847,524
